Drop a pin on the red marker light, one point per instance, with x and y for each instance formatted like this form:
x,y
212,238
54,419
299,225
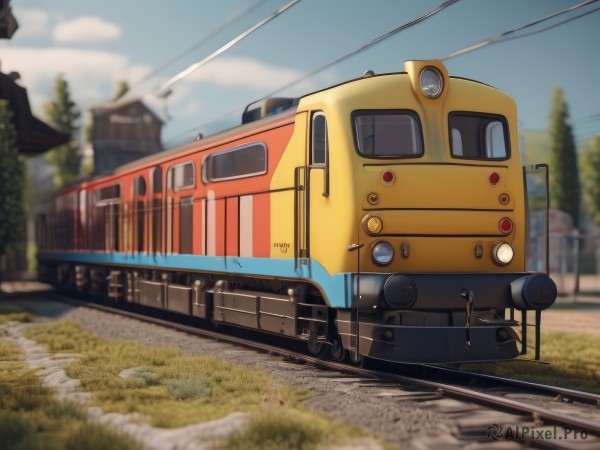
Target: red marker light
x,y
506,225
494,178
388,177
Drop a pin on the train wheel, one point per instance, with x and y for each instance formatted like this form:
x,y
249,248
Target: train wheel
x,y
316,348
337,350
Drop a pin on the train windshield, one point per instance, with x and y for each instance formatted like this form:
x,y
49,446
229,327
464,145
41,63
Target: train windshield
x,y
478,136
388,134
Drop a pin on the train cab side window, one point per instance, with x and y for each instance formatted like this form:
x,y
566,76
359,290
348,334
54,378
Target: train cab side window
x,y
388,133
319,144
478,136
247,160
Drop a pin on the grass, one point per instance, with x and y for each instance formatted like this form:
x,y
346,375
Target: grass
x,y
31,418
574,362
575,306
286,429
171,389
13,313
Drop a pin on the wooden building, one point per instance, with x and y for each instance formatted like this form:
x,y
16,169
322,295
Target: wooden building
x,y
123,132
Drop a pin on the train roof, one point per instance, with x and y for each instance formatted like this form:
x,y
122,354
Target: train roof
x,y
225,136
249,128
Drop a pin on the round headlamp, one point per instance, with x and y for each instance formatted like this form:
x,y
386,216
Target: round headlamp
x,y
432,82
382,253
502,253
374,225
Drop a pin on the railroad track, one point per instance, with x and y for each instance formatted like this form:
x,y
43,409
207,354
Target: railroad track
x,y
546,428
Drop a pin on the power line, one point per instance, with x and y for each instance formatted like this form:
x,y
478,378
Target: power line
x,y
504,35
221,50
589,118
360,49
491,40
570,19
211,34
364,47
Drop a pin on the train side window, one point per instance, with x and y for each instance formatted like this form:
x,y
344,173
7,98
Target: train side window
x,y
186,225
139,191
388,133
181,176
108,199
248,160
319,142
139,186
157,180
478,136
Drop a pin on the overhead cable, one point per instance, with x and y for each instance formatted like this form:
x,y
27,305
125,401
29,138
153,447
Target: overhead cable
x,y
223,49
562,22
365,46
211,34
336,61
505,35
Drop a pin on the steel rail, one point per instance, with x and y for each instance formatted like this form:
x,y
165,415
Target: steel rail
x,y
561,393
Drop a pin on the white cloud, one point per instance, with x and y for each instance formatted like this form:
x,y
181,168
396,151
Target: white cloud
x,y
85,30
32,22
244,72
92,75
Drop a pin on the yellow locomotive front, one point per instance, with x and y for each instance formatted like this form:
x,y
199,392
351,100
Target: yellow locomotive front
x,y
414,191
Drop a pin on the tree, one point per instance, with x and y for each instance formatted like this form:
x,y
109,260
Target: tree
x,y
62,112
564,174
590,171
122,89
12,214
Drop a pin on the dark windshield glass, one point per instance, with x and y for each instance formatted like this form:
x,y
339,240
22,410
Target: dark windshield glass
x,y
478,136
388,134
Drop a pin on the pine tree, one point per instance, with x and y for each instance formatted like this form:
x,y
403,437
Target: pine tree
x,y
590,171
62,112
12,215
122,89
564,173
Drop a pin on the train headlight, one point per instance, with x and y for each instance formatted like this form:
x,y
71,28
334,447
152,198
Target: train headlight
x,y
382,253
373,224
502,253
432,82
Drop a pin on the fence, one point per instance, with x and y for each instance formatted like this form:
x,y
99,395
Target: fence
x,y
575,263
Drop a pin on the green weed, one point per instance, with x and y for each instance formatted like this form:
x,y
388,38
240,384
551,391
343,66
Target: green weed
x,y
172,390
13,313
290,429
32,419
574,362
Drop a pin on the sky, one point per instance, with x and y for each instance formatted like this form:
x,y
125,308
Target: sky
x,y
95,45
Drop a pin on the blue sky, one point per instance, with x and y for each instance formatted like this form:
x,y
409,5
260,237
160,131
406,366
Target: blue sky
x,y
97,44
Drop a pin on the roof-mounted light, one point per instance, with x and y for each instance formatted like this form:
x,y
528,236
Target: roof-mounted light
x,y
431,82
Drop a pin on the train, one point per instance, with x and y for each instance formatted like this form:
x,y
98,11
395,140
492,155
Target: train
x,y
387,217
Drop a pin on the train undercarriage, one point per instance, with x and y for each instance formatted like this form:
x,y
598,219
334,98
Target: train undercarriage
x,y
297,310
291,309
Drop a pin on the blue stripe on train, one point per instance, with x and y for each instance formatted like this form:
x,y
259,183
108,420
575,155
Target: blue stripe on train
x,y
336,288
